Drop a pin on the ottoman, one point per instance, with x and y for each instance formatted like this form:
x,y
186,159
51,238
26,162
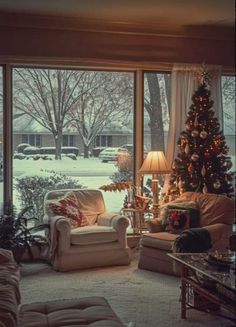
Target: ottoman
x,y
86,311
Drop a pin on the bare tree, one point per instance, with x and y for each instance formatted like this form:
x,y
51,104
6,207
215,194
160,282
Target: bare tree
x,y
228,98
105,97
47,95
156,94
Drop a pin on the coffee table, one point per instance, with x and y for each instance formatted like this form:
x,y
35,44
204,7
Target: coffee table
x,y
214,286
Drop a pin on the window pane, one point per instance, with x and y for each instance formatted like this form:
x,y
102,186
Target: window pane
x,y
109,140
71,140
65,140
156,110
228,99
32,140
38,140
94,104
156,116
1,139
25,138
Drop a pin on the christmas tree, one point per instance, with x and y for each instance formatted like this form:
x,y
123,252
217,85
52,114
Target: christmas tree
x,y
202,163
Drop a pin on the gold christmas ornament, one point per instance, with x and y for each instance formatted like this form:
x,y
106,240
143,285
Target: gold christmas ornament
x,y
203,134
187,149
204,190
188,126
203,171
195,133
194,157
217,184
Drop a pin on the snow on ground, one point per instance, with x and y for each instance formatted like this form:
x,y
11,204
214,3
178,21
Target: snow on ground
x,y
91,173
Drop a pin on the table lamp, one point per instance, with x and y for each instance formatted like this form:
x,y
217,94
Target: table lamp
x,y
155,163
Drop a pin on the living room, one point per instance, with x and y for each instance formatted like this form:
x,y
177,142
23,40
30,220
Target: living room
x,y
124,60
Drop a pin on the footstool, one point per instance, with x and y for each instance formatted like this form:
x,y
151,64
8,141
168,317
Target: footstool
x,y
87,311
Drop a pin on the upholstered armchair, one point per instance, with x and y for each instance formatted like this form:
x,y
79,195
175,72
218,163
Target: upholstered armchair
x,y
216,215
82,233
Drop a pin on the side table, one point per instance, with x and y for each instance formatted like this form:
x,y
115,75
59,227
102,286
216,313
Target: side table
x,y
136,217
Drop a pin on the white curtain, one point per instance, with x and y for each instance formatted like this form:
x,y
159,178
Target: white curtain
x,y
184,82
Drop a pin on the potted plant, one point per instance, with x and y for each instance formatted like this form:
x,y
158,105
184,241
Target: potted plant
x,y
15,235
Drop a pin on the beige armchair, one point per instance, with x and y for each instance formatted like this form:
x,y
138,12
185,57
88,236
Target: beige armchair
x,y
100,242
217,213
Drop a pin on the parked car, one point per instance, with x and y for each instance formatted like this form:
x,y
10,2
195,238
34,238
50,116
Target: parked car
x,y
111,154
130,148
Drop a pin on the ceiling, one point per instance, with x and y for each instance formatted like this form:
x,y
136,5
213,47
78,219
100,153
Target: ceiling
x,y
146,12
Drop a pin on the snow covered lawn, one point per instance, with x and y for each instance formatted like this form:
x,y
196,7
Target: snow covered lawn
x,y
91,173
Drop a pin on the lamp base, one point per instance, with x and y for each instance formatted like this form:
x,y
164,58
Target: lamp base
x,y
155,210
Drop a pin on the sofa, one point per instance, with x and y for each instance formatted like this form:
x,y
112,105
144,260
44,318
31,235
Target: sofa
x,y
98,240
87,311
217,214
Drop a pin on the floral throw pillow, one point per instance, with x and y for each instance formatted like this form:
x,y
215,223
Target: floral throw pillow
x,y
68,207
177,220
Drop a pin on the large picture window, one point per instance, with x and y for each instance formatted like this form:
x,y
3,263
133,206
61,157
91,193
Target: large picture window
x,y
73,111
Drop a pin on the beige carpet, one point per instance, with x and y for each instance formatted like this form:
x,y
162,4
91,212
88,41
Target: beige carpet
x,y
149,299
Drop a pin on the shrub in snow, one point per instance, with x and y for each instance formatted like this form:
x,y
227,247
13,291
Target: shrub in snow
x,y
32,189
70,149
29,150
71,156
64,149
19,156
21,147
125,171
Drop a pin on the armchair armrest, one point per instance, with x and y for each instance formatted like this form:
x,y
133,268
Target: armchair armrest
x,y
220,234
59,235
113,219
118,222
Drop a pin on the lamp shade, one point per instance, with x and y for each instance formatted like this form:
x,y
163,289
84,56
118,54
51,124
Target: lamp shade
x,y
155,163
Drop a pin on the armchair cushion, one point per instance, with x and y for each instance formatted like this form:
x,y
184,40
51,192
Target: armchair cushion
x,y
162,240
93,235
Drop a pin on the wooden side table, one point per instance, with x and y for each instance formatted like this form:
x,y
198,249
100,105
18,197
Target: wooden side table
x,y
136,217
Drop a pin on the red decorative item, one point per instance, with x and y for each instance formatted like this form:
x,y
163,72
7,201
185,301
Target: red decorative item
x,y
68,208
178,220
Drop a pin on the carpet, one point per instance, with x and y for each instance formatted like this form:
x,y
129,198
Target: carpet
x,y
146,298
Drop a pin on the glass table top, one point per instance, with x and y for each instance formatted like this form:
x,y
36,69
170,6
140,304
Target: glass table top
x,y
205,264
